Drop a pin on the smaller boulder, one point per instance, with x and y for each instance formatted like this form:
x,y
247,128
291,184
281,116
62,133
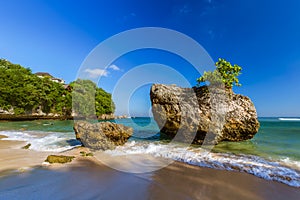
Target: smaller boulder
x,y
59,159
85,154
102,135
26,146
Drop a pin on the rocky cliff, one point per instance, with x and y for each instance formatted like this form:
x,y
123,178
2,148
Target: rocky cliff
x,y
203,114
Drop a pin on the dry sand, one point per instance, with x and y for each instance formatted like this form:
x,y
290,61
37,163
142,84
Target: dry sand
x,y
86,178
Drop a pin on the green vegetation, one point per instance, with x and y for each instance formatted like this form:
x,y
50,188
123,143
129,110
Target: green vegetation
x,y
224,73
59,159
26,93
88,99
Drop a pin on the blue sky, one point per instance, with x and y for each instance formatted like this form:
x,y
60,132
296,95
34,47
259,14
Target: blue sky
x,y
261,36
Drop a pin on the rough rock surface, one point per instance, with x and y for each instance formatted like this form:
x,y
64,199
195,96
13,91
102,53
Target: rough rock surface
x,y
110,116
203,115
103,135
59,159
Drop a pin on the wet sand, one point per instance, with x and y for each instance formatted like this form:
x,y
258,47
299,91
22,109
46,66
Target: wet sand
x,y
14,159
87,178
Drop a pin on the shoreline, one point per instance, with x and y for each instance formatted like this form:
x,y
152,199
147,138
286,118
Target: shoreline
x,y
23,173
86,178
8,117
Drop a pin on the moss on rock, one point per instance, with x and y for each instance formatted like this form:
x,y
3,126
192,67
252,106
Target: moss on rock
x,y
83,153
59,159
89,154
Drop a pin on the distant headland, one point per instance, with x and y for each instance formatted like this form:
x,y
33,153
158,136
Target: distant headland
x,y
30,96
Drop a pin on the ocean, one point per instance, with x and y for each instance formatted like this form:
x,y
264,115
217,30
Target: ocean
x,y
273,153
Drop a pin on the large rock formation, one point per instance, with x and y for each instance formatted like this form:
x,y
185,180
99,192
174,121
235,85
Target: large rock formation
x,y
203,114
103,135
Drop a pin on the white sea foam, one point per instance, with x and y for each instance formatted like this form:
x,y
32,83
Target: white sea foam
x,y
284,170
269,170
290,163
40,141
289,119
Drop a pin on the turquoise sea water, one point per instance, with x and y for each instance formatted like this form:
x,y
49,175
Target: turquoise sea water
x,y
276,139
274,152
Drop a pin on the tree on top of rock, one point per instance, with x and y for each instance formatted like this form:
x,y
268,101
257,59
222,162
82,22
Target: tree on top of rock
x,y
224,74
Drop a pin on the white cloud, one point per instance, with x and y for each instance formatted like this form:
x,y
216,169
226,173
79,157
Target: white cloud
x,y
114,67
94,73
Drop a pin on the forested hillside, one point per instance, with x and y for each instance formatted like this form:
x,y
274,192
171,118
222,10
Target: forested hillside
x,y
22,92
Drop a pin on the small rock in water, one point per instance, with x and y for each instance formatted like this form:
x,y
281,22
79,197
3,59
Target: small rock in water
x,y
89,154
26,146
83,153
59,159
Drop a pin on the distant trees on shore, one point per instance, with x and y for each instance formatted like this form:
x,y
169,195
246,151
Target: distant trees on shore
x,y
23,92
88,99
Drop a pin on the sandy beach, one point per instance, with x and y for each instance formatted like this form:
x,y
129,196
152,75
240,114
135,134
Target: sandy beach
x,y
23,175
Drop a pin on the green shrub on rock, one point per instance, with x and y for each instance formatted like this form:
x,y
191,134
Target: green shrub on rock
x,y
224,74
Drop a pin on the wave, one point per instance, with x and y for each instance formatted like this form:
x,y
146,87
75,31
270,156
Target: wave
x,y
288,119
43,141
285,170
280,171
